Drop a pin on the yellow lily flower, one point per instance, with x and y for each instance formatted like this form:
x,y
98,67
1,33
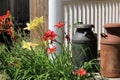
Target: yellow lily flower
x,y
28,45
35,23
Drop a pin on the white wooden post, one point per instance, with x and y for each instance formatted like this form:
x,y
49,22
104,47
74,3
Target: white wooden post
x,y
56,15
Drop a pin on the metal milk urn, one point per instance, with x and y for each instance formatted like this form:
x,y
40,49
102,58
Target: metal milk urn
x,y
84,46
110,51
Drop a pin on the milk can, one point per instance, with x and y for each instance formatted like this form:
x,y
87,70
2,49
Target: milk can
x,y
84,44
110,51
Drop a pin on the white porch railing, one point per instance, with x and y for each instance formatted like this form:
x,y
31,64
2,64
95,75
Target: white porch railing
x,y
97,12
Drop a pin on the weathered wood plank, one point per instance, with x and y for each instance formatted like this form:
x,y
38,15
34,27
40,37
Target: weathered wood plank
x,y
38,8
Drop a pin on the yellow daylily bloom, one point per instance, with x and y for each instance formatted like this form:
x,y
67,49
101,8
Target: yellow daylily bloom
x,y
34,45
35,23
28,45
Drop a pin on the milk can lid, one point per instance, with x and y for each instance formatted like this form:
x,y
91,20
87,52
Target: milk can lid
x,y
111,25
84,26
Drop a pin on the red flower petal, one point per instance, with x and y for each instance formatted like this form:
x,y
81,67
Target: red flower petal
x,y
1,18
51,50
81,72
60,25
9,32
7,14
1,23
49,35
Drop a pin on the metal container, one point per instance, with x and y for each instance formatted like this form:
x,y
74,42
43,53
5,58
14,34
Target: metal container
x,y
110,51
84,44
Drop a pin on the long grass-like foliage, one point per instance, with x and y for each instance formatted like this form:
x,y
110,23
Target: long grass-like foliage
x,y
35,64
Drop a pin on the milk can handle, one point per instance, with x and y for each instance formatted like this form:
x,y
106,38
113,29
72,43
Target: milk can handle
x,y
84,34
104,35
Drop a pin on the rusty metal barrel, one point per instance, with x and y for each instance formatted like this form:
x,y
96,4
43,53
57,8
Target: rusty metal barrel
x,y
110,51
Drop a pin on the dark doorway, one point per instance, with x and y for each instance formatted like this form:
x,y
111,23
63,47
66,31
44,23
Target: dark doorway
x,y
18,8
4,6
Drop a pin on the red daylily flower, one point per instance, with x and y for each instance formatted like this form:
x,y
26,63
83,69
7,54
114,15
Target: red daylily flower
x,y
51,50
60,25
81,72
1,18
49,35
9,32
67,37
8,24
1,23
7,15
7,20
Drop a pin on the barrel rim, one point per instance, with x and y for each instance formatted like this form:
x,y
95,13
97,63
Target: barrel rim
x,y
112,25
85,41
84,26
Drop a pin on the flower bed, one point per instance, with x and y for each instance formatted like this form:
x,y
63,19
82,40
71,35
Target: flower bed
x,y
31,61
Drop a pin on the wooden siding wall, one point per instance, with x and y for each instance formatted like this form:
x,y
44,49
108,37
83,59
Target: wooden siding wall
x,y
4,6
38,8
21,10
97,12
18,8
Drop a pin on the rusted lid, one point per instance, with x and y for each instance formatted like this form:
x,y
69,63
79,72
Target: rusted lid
x,y
84,26
112,25
110,39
